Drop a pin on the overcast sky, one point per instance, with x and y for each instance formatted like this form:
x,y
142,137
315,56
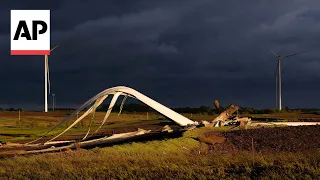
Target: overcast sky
x,y
178,52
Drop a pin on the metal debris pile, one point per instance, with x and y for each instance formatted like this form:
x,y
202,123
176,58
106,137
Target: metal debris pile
x,y
227,117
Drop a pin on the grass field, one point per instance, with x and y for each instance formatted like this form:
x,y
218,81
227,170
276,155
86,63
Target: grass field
x,y
33,124
277,153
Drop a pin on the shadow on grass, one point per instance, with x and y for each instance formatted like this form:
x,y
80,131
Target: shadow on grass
x,y
141,138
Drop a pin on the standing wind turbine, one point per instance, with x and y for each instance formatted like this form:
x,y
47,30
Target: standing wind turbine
x,y
46,80
279,58
275,74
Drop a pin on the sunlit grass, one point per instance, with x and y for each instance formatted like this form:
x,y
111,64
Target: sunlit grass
x,y
180,158
168,159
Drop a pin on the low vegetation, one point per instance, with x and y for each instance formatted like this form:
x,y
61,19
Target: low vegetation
x,y
271,153
180,158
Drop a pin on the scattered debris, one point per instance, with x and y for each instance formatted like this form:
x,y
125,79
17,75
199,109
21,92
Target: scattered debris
x,y
226,117
244,122
226,113
167,128
62,146
207,124
218,107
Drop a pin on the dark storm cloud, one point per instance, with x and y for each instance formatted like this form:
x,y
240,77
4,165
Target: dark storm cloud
x,y
181,53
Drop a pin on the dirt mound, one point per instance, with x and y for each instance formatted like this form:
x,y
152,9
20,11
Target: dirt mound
x,y
225,147
272,140
281,139
215,142
212,138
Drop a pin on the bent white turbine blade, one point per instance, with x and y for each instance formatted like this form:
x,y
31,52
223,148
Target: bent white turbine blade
x,y
112,103
120,90
92,108
74,123
123,100
95,106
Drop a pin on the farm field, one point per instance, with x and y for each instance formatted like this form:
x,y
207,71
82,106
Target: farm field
x,y
279,153
33,124
269,152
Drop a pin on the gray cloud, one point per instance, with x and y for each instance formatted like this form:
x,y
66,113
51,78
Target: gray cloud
x,y
182,53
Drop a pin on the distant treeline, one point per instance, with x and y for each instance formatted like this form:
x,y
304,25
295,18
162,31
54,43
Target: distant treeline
x,y
56,109
136,107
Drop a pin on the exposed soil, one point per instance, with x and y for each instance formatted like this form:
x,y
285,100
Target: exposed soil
x,y
286,117
281,139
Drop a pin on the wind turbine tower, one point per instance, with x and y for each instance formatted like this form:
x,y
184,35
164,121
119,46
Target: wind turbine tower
x,y
275,74
47,79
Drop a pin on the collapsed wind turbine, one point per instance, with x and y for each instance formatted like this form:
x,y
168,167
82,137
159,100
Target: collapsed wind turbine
x,y
279,90
47,79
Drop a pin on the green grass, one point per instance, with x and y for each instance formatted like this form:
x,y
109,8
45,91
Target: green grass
x,y
16,134
181,158
33,125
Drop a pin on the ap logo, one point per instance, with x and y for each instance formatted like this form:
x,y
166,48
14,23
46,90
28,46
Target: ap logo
x,y
30,32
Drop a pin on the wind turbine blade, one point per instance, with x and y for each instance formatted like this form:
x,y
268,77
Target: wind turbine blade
x,y
271,50
274,53
49,84
294,54
55,47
